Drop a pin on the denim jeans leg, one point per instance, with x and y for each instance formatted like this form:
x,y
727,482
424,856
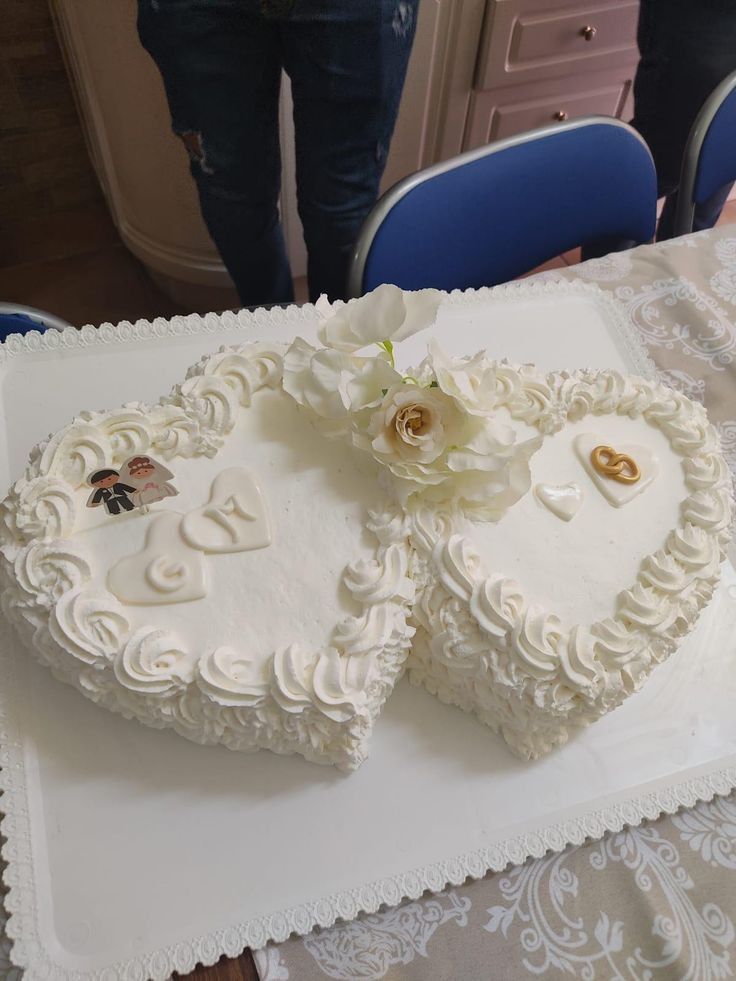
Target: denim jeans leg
x,y
347,63
686,49
221,66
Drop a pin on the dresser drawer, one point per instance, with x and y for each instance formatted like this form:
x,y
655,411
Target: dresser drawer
x,y
524,40
497,114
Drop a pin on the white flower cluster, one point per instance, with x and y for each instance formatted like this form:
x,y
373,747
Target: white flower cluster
x,y
434,429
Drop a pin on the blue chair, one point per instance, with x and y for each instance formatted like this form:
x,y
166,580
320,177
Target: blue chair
x,y
709,160
491,214
15,318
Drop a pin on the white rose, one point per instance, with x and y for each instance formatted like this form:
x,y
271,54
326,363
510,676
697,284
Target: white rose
x,y
476,383
413,425
487,487
385,314
443,453
317,379
371,379
334,384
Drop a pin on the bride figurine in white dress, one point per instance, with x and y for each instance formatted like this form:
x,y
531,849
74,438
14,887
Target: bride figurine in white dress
x,y
150,480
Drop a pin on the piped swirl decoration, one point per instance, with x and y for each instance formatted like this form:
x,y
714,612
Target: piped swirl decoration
x,y
518,667
320,703
336,682
88,624
38,507
49,569
229,678
153,663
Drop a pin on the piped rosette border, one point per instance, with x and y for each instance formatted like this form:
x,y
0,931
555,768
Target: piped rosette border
x,y
321,704
484,647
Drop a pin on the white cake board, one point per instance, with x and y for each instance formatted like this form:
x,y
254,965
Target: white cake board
x,y
132,853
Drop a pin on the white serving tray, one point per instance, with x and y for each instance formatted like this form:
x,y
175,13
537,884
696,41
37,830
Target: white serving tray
x,y
132,853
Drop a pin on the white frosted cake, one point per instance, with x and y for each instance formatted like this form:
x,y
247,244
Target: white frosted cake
x,y
247,561
569,528
213,564
543,621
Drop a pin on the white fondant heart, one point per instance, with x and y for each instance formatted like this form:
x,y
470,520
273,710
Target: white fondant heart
x,y
165,571
233,520
563,500
616,493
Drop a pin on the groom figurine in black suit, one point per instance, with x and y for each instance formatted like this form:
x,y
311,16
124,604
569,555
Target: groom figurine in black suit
x,y
109,490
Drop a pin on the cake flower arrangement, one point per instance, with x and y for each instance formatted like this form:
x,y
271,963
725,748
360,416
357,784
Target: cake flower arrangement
x,y
433,429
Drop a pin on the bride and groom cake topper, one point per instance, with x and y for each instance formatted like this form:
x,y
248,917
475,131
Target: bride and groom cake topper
x,y
140,482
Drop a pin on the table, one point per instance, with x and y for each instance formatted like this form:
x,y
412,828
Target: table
x,y
658,898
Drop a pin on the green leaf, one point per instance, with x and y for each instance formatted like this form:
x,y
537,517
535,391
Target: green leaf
x,y
389,349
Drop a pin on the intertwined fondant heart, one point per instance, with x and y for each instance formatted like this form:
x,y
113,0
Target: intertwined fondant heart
x,y
166,570
233,520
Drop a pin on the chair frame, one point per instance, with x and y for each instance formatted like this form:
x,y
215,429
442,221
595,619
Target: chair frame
x,y
42,318
394,194
685,210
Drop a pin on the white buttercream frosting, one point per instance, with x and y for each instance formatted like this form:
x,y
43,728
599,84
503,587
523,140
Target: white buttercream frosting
x,y
89,624
230,678
152,662
48,569
39,507
380,581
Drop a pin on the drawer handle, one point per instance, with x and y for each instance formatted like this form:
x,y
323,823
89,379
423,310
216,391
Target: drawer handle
x,y
589,32
560,116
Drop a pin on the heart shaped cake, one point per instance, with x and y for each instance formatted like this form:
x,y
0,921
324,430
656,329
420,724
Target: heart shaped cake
x,y
569,528
212,564
541,622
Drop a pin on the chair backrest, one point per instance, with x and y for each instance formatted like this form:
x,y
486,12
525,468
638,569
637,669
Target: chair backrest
x,y
709,160
16,318
491,214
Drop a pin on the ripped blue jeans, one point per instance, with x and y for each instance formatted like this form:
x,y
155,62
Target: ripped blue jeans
x,y
221,63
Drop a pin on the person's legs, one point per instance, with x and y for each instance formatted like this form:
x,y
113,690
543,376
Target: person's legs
x,y
347,62
221,68
686,50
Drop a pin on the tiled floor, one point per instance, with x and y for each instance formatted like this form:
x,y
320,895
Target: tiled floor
x,y
73,264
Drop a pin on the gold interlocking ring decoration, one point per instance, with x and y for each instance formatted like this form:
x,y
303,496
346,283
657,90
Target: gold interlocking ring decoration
x,y
617,466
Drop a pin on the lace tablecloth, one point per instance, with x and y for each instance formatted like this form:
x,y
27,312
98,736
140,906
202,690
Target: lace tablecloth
x,y
655,902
